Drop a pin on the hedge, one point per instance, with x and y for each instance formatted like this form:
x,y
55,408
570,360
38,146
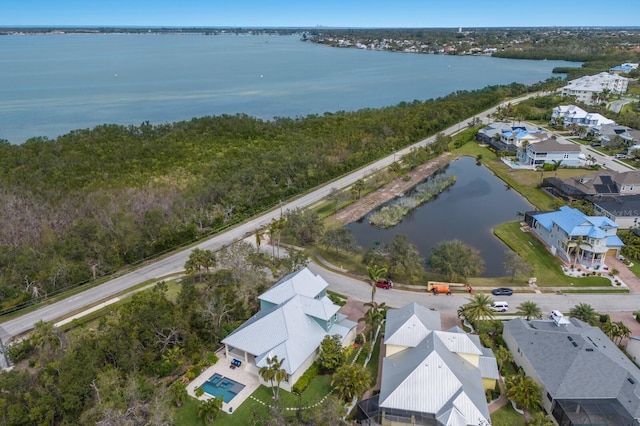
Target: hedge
x,y
306,378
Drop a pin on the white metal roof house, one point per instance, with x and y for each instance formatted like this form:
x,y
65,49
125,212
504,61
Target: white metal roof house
x,y
295,315
572,235
570,114
586,379
431,377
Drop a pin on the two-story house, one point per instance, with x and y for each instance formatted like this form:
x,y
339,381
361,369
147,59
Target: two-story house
x,y
570,115
507,137
551,151
577,238
295,316
430,377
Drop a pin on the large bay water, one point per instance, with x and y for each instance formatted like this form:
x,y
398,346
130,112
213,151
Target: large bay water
x,y
467,211
52,84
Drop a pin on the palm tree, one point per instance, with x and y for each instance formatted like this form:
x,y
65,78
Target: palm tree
x,y
275,229
198,260
209,409
577,248
280,376
523,391
479,307
373,317
617,331
351,381
273,371
359,186
268,374
375,274
529,310
178,393
556,166
503,355
584,312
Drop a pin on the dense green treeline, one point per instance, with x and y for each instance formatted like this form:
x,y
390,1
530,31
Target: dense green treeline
x,y
132,365
95,200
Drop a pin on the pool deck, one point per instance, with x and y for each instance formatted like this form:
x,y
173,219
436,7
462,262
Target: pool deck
x,y
222,367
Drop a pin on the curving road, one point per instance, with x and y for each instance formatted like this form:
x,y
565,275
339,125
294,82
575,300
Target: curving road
x,y
175,262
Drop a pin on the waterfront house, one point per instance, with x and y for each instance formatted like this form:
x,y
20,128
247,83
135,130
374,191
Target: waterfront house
x,y
295,316
601,183
576,237
430,377
551,151
585,378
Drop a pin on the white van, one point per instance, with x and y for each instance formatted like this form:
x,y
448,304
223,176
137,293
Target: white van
x,y
500,306
556,315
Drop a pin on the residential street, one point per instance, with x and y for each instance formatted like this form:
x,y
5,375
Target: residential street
x,y
360,290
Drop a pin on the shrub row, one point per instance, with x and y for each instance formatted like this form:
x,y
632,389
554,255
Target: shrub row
x,y
306,378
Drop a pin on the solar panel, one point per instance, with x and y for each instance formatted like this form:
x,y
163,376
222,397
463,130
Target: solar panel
x,y
606,180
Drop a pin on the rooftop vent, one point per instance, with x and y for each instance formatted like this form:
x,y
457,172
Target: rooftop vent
x,y
630,380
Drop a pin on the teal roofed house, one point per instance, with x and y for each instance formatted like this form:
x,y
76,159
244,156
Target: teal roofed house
x,y
295,316
576,237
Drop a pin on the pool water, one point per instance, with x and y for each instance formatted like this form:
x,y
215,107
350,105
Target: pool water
x,y
220,386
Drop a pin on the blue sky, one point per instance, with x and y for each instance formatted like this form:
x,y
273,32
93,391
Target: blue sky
x,y
333,13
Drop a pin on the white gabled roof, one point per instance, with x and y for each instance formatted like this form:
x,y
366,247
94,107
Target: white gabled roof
x,y
430,379
319,308
409,325
452,417
289,329
304,283
458,342
410,395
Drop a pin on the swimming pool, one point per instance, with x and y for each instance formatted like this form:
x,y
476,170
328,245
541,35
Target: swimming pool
x,y
218,385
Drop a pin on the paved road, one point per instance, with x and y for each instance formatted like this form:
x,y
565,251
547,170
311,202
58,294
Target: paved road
x,y
174,263
604,160
616,106
360,290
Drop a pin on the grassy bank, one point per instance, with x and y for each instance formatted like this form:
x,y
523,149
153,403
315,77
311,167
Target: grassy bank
x,y
546,267
523,181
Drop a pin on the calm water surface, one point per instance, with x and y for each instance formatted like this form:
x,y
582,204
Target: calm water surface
x,y
467,211
51,84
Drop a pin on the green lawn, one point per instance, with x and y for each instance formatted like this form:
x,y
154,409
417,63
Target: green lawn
x,y
187,415
372,366
319,387
546,268
524,181
507,416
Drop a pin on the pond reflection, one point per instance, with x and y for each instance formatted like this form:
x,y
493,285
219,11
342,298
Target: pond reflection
x,y
466,211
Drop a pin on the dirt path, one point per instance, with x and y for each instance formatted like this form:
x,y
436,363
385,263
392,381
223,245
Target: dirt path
x,y
394,188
